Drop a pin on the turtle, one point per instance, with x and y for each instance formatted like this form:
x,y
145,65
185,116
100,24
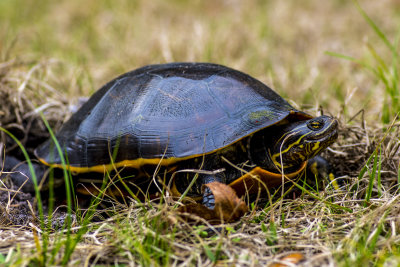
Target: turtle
x,y
215,122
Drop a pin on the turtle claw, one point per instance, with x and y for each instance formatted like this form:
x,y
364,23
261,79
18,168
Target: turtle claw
x,y
208,198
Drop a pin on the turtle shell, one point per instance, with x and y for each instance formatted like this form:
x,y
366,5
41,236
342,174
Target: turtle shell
x,y
171,111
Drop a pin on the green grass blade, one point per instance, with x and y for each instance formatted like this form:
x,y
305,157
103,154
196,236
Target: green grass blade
x,y
352,59
378,178
365,168
37,193
372,178
382,66
321,199
375,28
68,190
32,171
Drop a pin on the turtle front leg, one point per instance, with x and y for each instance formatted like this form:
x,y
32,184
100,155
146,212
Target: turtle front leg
x,y
220,203
319,169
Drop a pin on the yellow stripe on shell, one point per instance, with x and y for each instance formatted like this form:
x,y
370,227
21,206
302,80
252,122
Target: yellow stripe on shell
x,y
136,163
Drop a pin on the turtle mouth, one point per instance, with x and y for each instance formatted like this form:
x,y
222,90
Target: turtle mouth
x,y
324,141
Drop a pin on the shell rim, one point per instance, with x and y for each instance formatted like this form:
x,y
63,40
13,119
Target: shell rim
x,y
137,163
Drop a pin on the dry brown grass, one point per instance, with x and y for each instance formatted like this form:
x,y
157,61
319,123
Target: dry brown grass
x,y
70,50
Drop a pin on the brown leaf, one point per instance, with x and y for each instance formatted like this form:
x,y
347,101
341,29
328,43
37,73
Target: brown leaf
x,y
289,260
199,210
228,207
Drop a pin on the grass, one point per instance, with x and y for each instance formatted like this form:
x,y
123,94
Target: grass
x,y
52,53
386,70
49,246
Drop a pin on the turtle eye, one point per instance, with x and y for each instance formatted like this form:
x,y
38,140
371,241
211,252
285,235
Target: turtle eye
x,y
315,125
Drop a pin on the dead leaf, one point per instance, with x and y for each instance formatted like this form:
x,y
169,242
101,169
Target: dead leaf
x,y
289,260
228,207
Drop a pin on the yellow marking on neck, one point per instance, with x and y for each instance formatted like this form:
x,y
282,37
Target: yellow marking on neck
x,y
316,146
277,155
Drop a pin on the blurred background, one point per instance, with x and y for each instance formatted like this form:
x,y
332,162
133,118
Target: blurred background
x,y
282,43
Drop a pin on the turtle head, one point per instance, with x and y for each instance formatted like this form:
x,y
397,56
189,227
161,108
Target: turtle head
x,y
302,140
